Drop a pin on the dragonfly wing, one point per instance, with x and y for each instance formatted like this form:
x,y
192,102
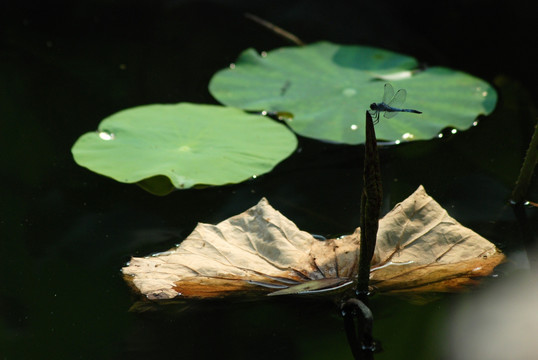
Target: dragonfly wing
x,y
398,99
390,114
388,94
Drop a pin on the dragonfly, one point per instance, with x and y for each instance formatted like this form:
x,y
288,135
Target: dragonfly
x,y
390,105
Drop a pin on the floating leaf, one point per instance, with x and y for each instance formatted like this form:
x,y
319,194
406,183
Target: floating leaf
x,y
327,87
419,248
182,145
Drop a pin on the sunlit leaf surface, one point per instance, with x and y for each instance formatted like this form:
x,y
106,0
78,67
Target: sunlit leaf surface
x,y
328,87
419,248
182,145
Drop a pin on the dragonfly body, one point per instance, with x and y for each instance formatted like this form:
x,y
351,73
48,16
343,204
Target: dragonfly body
x,y
382,107
390,105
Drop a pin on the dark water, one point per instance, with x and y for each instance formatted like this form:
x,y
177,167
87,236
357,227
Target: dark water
x,y
66,232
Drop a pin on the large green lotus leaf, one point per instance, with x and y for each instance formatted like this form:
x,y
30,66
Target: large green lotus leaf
x,y
186,143
328,88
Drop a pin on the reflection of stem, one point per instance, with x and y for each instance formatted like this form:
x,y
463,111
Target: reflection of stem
x,y
285,34
527,169
359,338
372,194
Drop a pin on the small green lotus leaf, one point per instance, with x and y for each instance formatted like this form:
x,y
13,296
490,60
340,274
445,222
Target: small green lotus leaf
x,y
328,88
186,143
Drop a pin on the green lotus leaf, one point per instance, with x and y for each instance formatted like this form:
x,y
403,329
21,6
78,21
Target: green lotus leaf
x,y
328,87
184,144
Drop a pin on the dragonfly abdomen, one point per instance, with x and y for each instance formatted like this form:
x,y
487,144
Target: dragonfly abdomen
x,y
411,111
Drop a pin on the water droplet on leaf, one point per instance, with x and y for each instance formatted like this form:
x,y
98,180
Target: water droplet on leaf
x,y
349,92
106,135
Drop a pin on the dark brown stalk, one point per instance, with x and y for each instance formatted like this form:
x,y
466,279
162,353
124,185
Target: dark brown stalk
x,y
358,318
372,194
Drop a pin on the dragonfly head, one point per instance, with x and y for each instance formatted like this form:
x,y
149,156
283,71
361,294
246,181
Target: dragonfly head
x,y
373,106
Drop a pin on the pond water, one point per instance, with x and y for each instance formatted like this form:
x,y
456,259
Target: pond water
x,y
66,231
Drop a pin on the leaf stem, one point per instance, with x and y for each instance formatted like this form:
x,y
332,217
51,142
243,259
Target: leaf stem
x,y
277,30
525,174
356,309
372,194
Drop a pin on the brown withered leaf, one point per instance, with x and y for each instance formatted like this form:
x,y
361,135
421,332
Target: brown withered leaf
x,y
419,248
